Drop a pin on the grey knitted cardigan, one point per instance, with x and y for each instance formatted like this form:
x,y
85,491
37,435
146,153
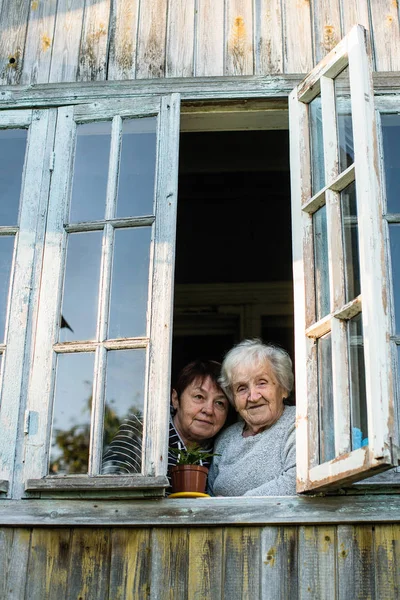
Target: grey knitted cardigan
x,y
259,465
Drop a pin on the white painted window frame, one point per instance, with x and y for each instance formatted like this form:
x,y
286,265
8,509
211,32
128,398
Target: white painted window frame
x,y
157,341
381,453
22,300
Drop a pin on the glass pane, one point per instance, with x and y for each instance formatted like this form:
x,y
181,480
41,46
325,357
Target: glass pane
x,y
344,121
69,453
12,156
317,145
123,411
358,402
394,230
6,255
137,167
325,399
322,288
81,287
350,241
130,282
89,186
391,153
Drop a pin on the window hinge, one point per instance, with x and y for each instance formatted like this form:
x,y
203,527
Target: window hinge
x,y
52,160
26,421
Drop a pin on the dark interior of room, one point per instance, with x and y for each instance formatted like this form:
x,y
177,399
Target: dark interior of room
x,y
233,226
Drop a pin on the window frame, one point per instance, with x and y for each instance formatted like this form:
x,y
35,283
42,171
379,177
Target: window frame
x,y
157,342
380,454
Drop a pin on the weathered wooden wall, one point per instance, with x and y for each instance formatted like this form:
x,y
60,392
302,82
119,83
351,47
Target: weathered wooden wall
x,y
85,40
231,563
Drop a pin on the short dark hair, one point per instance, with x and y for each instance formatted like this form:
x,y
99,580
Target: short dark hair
x,y
198,369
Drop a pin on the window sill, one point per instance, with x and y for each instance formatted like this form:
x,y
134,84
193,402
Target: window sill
x,y
290,510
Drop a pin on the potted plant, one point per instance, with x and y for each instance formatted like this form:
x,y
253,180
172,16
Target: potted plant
x,y
189,475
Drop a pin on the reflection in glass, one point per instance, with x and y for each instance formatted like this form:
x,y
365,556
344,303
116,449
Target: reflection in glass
x,y
69,453
137,167
129,287
321,266
12,156
123,411
6,255
358,402
344,121
325,399
81,286
317,145
89,186
394,231
350,240
391,153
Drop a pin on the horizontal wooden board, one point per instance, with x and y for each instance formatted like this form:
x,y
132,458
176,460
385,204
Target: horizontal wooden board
x,y
203,511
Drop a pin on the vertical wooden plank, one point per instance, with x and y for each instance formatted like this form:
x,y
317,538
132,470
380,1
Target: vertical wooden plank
x,y
169,564
67,36
386,34
297,37
279,563
150,60
48,564
209,52
327,28
239,38
353,13
123,32
180,38
130,564
242,562
93,50
18,565
268,37
355,562
205,564
317,563
387,561
39,42
89,569
6,538
13,24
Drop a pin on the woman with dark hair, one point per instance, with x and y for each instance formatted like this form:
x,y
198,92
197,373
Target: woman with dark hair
x,y
199,410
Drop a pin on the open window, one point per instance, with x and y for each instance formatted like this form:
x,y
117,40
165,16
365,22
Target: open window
x,y
102,342
345,414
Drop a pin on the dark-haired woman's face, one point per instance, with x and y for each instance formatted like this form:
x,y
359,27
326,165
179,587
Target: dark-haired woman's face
x,y
201,411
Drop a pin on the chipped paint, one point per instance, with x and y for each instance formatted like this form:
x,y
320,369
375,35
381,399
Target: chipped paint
x,y
237,45
329,38
343,553
46,42
270,557
35,4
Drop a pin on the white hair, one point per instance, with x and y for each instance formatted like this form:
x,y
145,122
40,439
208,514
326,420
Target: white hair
x,y
254,352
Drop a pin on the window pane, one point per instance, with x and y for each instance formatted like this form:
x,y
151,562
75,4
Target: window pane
x,y
358,403
317,147
130,282
89,186
6,255
325,399
394,230
123,411
81,287
350,241
69,452
12,156
344,121
391,152
137,167
322,288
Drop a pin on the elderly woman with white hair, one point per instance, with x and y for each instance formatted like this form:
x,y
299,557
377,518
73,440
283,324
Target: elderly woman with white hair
x,y
257,455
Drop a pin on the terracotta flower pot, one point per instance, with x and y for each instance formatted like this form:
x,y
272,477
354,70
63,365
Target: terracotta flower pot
x,y
189,478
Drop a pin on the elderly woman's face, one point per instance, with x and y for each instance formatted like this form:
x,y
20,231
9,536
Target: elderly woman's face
x,y
257,395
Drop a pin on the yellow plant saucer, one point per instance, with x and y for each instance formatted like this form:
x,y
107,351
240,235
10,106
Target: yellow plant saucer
x,y
189,495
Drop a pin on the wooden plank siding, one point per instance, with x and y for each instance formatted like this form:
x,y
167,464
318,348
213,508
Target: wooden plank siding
x,y
322,562
73,40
